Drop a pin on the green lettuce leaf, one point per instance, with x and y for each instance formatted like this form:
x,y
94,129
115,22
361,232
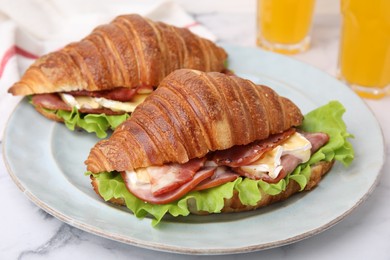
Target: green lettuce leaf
x,y
327,118
92,123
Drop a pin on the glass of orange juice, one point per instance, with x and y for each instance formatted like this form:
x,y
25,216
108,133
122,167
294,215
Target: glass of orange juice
x,y
364,59
284,25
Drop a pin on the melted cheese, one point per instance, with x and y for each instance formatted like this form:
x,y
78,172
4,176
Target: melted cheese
x,y
70,100
139,176
298,146
160,178
270,163
94,103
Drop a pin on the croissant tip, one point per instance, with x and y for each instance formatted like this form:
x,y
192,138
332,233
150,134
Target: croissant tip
x,y
11,90
17,90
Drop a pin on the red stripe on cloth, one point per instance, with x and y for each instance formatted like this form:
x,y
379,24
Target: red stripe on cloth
x,y
191,25
25,53
12,51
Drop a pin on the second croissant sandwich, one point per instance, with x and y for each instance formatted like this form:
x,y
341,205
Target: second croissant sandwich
x,y
95,83
208,143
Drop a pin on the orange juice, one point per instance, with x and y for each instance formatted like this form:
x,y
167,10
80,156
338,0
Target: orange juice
x,y
284,22
364,60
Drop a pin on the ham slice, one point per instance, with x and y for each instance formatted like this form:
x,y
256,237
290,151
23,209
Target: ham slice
x,y
240,155
50,101
289,163
144,191
164,179
53,101
221,176
317,140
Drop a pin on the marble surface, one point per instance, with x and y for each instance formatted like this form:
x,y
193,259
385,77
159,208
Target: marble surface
x,y
27,232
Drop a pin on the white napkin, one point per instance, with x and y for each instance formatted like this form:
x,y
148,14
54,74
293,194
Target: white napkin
x,y
30,28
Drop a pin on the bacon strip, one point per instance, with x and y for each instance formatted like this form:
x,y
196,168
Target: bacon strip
x,y
241,155
221,176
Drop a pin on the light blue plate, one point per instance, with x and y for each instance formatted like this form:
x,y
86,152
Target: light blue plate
x,y
46,162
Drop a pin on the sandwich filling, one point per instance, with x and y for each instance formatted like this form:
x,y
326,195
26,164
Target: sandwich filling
x,y
93,111
119,100
83,102
269,160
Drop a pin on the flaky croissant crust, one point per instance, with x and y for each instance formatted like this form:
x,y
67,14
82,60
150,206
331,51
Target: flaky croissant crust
x,y
190,114
130,51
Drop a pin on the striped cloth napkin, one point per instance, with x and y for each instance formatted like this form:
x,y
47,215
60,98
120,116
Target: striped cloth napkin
x,y
31,28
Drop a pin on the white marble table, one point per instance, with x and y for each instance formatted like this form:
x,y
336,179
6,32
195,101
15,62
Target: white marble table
x,y
27,232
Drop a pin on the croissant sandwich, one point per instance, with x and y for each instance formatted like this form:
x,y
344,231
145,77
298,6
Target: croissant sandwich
x,y
209,143
95,83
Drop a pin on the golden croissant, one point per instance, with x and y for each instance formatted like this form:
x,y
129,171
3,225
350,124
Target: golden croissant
x,y
113,69
190,114
201,133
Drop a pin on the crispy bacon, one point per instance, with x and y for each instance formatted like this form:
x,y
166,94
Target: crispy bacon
x,y
102,110
240,155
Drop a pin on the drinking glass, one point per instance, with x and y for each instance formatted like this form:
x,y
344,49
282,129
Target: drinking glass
x,y
364,58
284,25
